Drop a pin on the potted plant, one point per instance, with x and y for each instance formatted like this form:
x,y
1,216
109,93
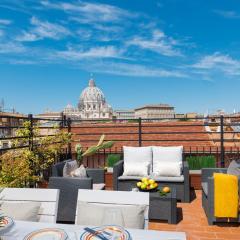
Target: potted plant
x,y
102,144
112,159
196,163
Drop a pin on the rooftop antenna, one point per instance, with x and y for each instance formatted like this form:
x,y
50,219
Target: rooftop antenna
x,y
2,105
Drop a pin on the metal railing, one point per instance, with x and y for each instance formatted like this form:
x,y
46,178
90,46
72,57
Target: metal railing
x,y
139,132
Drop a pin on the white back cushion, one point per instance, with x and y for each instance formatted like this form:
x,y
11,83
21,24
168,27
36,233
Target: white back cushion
x,y
96,214
167,154
137,154
115,197
48,198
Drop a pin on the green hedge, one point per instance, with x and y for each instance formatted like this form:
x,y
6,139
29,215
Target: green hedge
x,y
112,159
199,162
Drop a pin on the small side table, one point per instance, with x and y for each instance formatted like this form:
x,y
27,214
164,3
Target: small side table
x,y
163,207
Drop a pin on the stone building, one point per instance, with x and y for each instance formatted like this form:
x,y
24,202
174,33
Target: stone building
x,y
92,105
124,114
155,111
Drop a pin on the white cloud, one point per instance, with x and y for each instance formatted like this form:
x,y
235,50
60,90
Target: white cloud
x,y
11,47
43,29
5,22
23,62
1,33
159,43
227,14
219,62
135,70
91,12
94,52
28,37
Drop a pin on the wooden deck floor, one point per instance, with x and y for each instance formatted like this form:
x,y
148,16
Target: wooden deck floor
x,y
193,221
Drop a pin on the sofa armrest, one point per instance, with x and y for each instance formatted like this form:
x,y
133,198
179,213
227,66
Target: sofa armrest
x,y
186,170
117,172
208,172
97,174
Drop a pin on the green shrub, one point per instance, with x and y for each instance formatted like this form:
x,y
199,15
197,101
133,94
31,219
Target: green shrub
x,y
112,159
199,162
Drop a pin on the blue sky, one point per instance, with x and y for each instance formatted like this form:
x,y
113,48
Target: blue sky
x,y
182,52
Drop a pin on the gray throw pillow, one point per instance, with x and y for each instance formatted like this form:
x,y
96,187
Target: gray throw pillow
x,y
27,211
69,167
92,214
79,172
234,169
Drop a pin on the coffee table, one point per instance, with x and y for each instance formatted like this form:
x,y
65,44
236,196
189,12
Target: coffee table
x,y
163,207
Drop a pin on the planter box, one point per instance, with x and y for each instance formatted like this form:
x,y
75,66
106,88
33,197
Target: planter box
x,y
109,180
195,179
43,184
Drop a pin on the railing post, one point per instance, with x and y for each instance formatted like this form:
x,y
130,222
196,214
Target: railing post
x,y
69,144
62,120
139,132
30,139
222,141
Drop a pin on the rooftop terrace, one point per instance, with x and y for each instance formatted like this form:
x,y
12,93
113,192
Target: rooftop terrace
x,y
190,133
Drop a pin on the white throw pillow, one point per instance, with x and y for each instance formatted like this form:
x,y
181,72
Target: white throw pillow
x,y
69,167
167,169
92,214
137,154
167,154
140,169
79,172
27,211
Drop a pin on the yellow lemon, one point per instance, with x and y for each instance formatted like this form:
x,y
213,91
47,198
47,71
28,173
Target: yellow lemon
x,y
166,190
144,179
143,186
151,181
139,184
152,186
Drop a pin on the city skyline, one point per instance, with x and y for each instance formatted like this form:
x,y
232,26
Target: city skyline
x,y
140,53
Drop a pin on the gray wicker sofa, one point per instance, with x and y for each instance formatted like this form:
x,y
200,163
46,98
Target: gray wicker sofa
x,y
208,194
69,186
126,183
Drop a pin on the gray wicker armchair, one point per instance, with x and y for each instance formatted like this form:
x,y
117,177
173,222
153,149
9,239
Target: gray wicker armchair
x,y
69,186
208,195
181,184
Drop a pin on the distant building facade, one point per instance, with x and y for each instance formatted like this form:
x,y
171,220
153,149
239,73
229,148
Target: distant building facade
x,y
155,111
124,114
9,119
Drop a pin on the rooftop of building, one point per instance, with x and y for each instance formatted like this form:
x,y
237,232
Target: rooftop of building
x,y
160,106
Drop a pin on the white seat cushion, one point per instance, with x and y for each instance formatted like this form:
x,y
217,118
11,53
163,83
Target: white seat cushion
x,y
158,179
98,186
166,154
137,178
169,179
